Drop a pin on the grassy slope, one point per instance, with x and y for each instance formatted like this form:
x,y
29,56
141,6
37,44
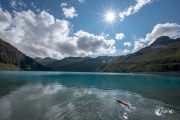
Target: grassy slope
x,y
147,60
8,67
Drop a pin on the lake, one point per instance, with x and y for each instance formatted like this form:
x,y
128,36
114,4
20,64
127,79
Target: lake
x,y
88,96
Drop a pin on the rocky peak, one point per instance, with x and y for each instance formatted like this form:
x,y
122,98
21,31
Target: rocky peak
x,y
163,40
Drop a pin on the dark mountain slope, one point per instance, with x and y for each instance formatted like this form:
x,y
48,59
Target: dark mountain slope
x,y
79,64
13,59
162,55
61,65
45,61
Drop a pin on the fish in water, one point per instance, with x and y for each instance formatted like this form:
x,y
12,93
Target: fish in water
x,y
122,102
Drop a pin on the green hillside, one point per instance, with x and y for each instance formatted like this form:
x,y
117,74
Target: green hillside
x,y
8,67
161,56
12,59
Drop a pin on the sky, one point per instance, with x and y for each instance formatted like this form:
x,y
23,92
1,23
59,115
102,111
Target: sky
x,y
79,28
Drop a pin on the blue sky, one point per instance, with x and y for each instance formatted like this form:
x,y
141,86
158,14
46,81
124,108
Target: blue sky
x,y
63,28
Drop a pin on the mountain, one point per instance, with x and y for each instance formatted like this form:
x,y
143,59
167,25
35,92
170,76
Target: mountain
x,y
79,64
12,59
45,61
161,56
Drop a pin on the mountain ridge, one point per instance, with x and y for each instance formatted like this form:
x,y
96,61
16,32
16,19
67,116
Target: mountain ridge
x,y
79,64
161,56
13,59
44,61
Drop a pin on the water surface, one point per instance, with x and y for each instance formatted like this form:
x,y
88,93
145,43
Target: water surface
x,y
91,96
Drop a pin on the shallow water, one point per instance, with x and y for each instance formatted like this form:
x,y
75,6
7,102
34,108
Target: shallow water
x,y
81,96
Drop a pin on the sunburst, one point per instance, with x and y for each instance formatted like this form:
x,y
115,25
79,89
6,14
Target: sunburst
x,y
110,17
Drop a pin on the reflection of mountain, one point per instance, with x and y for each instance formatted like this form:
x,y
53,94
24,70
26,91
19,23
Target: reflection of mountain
x,y
162,55
79,64
163,88
13,59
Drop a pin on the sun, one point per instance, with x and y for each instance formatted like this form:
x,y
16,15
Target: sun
x,y
110,16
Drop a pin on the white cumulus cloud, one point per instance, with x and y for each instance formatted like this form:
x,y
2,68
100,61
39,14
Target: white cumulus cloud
x,y
41,35
168,29
137,46
70,12
133,9
120,36
127,44
126,51
90,43
63,4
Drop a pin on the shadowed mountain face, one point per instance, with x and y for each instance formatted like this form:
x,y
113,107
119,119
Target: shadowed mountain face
x,y
164,40
13,59
161,56
79,64
45,61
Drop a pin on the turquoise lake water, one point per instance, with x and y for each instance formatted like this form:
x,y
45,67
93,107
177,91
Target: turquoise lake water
x,y
88,96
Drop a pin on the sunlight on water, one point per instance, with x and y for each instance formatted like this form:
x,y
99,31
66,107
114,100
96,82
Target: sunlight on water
x,y
63,101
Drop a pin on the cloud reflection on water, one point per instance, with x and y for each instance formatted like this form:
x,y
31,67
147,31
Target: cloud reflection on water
x,y
43,101
55,101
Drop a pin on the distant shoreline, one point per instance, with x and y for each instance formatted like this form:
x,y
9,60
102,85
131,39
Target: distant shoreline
x,y
173,73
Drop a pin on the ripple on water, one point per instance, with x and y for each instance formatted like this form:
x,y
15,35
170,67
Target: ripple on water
x,y
89,106
80,104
